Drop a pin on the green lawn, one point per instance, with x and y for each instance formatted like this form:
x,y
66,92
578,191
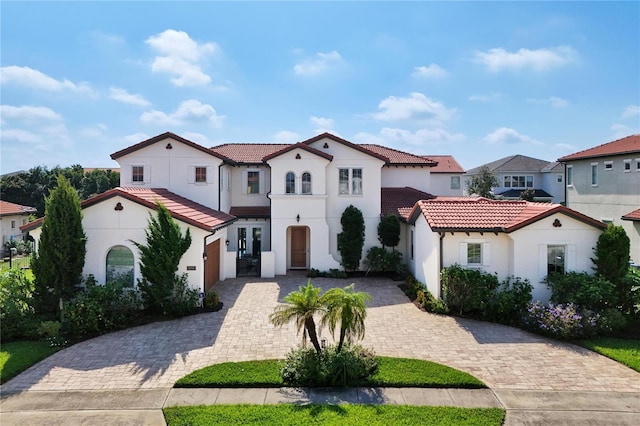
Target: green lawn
x,y
288,414
15,357
16,263
392,372
625,351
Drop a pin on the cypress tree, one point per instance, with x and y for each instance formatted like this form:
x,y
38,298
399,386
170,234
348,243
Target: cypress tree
x,y
351,239
59,261
389,231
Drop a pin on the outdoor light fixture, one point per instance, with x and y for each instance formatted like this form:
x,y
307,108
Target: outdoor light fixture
x,y
298,218
226,243
204,256
323,343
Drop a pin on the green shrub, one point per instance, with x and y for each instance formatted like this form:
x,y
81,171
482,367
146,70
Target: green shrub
x,y
468,291
585,290
99,309
562,321
351,239
306,367
378,259
509,301
431,304
412,287
332,273
17,315
627,293
612,320
211,299
184,300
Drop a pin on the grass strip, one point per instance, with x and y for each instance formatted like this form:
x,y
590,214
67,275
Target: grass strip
x,y
289,414
392,372
15,357
625,351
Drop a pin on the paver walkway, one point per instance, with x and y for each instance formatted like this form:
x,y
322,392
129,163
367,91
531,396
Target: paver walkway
x,y
155,355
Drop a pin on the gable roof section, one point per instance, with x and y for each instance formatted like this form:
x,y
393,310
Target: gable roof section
x,y
161,137
513,163
345,142
554,166
395,157
302,146
181,208
12,209
485,215
634,215
400,201
627,145
446,164
248,153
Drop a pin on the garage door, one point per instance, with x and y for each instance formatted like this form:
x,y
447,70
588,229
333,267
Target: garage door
x,y
212,265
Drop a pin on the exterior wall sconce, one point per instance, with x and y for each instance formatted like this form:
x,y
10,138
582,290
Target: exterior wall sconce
x,y
118,207
169,146
323,343
298,218
204,256
226,243
556,223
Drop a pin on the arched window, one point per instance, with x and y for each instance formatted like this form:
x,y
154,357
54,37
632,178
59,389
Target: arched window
x,y
290,183
120,266
306,183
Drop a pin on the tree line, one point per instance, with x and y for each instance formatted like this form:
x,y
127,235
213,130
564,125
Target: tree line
x,y
30,188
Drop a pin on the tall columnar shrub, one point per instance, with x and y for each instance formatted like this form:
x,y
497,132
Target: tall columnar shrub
x,y
59,260
612,253
389,231
159,260
351,239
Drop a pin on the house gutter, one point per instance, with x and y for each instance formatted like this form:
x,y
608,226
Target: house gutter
x,y
441,261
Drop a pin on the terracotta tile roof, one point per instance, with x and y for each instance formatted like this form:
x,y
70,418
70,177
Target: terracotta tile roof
x,y
162,137
12,209
248,153
181,208
627,145
634,215
395,157
302,146
400,201
446,164
251,212
482,214
357,147
513,163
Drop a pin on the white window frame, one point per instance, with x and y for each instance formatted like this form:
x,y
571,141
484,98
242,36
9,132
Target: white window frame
x,y
455,179
303,189
286,183
637,164
146,174
208,177
510,182
485,253
608,166
559,178
569,175
627,165
594,174
351,181
245,181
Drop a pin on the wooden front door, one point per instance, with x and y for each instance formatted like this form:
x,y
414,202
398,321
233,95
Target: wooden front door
x,y
299,247
212,265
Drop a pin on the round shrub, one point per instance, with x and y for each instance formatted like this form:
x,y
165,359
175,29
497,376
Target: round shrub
x,y
211,299
562,321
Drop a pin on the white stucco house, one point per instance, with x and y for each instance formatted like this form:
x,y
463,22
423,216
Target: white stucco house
x,y
12,217
265,209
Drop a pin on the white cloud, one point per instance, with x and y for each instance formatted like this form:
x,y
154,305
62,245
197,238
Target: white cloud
x,y
285,136
554,101
28,113
631,111
34,79
19,135
96,131
417,140
181,56
189,111
499,59
415,107
322,124
485,98
107,38
621,131
122,95
432,71
198,138
136,137
505,135
566,148
319,64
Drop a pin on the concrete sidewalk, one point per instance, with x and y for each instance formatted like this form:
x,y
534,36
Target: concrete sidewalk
x,y
144,407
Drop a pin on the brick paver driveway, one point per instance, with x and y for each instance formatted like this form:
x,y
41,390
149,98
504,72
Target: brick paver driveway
x,y
155,355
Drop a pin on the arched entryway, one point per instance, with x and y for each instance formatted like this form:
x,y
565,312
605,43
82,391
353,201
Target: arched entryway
x,y
120,266
299,248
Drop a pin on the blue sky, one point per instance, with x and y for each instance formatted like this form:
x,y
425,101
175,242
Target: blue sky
x,y
477,80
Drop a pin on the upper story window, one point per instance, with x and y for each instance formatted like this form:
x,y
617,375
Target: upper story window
x,y
290,183
13,224
569,175
638,164
201,175
137,173
627,166
559,178
350,181
306,183
594,174
253,182
518,181
455,182
608,165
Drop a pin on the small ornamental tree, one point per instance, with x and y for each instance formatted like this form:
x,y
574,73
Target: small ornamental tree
x,y
389,231
482,183
351,239
612,254
528,194
58,263
159,260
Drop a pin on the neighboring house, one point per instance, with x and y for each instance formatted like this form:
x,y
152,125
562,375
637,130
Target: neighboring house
x,y
604,182
12,217
517,173
508,238
264,209
447,178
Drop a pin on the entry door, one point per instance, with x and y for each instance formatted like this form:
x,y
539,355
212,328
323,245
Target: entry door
x,y
212,265
299,247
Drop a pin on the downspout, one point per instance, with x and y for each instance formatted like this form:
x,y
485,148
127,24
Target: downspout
x,y
565,184
441,261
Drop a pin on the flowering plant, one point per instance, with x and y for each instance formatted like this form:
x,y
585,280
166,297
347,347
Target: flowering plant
x,y
566,321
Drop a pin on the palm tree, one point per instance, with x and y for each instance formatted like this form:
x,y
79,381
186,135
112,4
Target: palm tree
x,y
349,308
300,307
